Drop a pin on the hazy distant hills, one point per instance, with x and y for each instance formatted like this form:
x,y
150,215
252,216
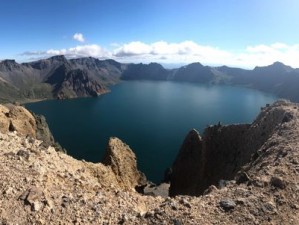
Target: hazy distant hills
x,y
58,77
277,78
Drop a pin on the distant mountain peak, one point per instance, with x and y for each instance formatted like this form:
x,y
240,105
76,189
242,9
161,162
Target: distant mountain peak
x,y
9,65
276,66
60,58
195,64
9,61
277,63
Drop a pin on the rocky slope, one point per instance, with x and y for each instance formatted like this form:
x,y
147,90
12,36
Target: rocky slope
x,y
72,83
42,186
56,77
18,119
152,71
277,78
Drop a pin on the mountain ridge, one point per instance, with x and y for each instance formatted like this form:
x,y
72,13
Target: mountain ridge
x,y
25,82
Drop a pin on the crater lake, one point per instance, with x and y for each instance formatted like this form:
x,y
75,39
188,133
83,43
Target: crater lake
x,y
152,117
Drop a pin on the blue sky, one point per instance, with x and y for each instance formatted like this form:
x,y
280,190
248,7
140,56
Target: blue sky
x,y
233,32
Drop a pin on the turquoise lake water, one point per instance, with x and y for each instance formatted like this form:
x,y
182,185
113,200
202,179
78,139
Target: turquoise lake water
x,y
153,118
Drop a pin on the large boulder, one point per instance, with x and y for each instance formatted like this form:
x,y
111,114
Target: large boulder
x,y
122,160
17,118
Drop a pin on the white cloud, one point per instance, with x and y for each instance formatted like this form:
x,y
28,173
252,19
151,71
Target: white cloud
x,y
81,51
189,51
183,53
262,55
79,37
75,52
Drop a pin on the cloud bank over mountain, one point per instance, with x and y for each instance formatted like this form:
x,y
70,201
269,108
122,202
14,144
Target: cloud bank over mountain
x,y
180,52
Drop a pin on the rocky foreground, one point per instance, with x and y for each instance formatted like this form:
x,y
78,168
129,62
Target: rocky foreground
x,y
40,185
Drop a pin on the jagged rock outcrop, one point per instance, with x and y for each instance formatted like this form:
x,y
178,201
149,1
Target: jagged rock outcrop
x,y
190,158
43,132
17,118
223,150
121,159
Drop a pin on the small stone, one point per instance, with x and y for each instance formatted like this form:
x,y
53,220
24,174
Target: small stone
x,y
173,206
123,219
34,195
49,202
242,177
210,190
9,155
65,201
148,214
295,206
8,191
222,183
269,206
24,154
258,183
36,206
287,117
177,222
277,182
227,204
24,195
241,201
185,203
294,161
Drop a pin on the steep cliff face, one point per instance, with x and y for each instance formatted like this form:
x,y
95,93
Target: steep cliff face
x,y
204,161
72,83
189,158
223,150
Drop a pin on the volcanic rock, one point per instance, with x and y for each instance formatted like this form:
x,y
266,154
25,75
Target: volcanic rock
x,y
223,150
121,159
